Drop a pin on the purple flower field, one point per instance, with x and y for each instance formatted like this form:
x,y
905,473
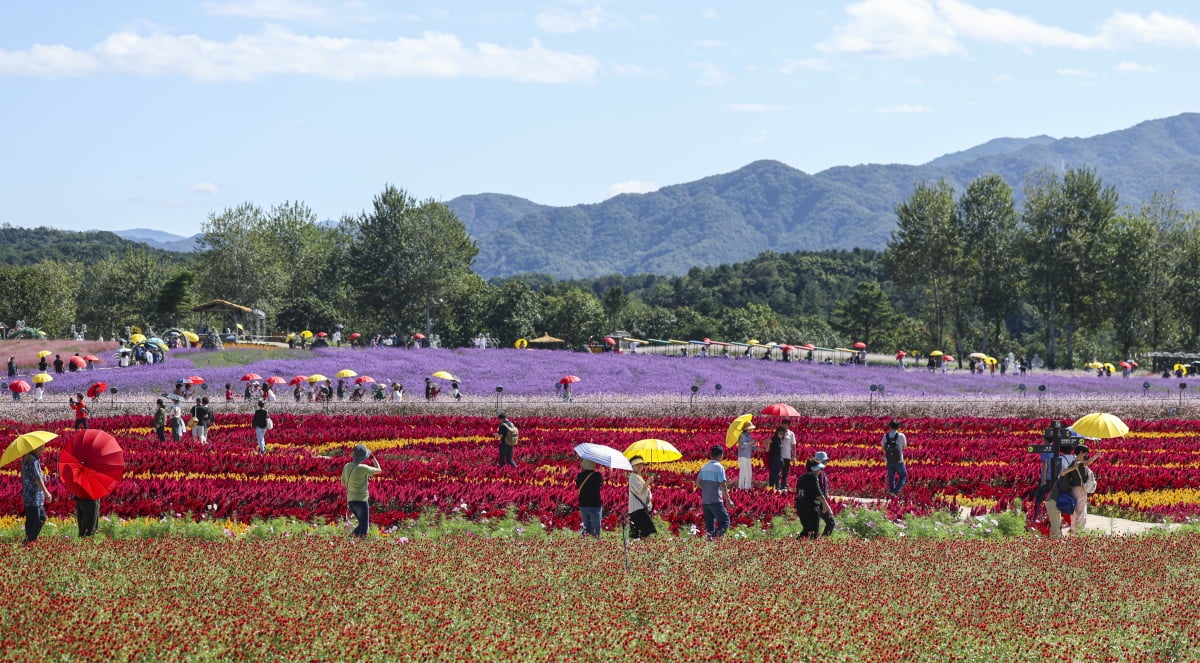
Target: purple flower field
x,y
536,372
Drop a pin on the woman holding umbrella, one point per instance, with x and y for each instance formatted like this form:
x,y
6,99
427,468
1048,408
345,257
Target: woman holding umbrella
x,y
640,501
34,494
591,509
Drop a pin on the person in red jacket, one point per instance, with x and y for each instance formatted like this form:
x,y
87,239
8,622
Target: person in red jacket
x,y
81,412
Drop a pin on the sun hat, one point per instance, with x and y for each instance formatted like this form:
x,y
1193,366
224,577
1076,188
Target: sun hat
x,y
361,453
637,460
749,425
821,456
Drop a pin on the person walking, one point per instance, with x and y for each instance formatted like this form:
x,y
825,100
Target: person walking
x,y
787,451
81,411
714,494
354,479
1068,497
810,503
160,421
58,364
202,417
591,509
261,422
507,434
823,480
746,446
176,420
894,443
12,368
34,494
641,502
773,459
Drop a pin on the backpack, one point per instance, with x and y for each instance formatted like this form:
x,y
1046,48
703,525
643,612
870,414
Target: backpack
x,y
1065,503
511,434
891,447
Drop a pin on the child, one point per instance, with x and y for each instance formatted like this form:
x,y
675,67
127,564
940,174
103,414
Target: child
x,y
228,392
81,411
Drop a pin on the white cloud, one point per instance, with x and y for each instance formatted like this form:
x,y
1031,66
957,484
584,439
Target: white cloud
x,y
754,108
922,28
710,14
277,51
903,108
559,21
632,186
205,187
1135,68
790,66
711,74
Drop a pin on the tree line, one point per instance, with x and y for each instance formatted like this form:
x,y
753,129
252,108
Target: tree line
x,y
1069,275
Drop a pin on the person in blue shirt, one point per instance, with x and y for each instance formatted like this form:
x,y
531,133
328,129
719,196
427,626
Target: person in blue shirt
x,y
34,494
714,494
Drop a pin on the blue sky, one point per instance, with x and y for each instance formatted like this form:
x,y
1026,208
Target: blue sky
x,y
155,114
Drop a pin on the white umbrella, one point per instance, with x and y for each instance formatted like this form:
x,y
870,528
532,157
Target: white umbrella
x,y
606,456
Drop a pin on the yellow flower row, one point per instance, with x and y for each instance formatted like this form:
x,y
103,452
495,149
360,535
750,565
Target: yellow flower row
x,y
1150,498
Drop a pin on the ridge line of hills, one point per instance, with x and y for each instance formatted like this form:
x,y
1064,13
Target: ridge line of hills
x,y
768,205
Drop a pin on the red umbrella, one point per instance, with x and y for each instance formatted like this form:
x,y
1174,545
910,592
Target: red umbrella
x,y
96,389
91,464
299,379
251,376
77,361
418,336
321,334
609,340
860,345
195,379
947,358
356,335
1124,364
19,386
567,379
275,379
780,410
363,379
901,354
91,358
808,346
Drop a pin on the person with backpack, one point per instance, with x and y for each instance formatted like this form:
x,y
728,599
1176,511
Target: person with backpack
x,y
354,479
508,436
1069,495
894,443
591,509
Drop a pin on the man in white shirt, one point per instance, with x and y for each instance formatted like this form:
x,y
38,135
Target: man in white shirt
x,y
787,451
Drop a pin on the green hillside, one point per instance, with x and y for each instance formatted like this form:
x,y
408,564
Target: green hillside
x,y
27,246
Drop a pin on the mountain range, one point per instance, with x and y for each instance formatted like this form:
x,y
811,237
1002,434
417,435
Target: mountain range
x,y
768,205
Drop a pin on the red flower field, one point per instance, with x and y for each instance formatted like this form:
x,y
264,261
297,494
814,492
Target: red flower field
x,y
447,464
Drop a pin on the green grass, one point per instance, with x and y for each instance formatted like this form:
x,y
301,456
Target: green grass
x,y
242,356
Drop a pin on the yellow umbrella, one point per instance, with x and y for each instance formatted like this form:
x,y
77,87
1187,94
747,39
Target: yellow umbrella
x,y
289,337
316,377
306,334
446,375
1110,368
42,378
935,353
735,429
44,353
1100,425
346,373
192,337
653,451
24,444
137,338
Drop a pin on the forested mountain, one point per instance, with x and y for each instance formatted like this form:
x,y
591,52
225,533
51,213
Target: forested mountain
x,y
160,240
768,205
27,246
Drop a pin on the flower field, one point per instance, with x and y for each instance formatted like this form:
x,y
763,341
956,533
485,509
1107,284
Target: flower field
x,y
480,599
447,465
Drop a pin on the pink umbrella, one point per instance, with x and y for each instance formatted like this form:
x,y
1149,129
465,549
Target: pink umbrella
x,y
275,379
363,379
251,376
568,379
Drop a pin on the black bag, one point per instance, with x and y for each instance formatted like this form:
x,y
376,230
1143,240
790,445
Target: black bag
x,y
641,525
891,447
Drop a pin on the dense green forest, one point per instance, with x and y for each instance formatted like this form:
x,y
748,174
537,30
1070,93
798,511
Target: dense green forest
x,y
1069,274
24,246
